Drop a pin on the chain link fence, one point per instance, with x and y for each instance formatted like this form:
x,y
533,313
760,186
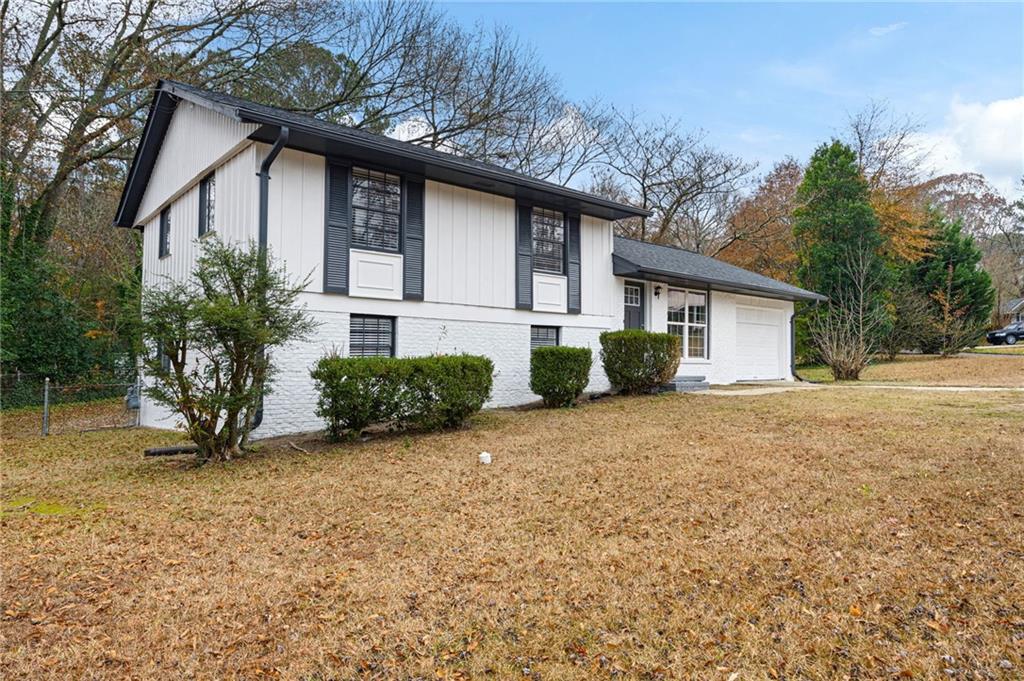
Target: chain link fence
x,y
34,405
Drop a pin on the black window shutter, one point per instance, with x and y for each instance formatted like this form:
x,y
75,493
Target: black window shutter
x,y
573,270
524,257
336,229
204,198
412,237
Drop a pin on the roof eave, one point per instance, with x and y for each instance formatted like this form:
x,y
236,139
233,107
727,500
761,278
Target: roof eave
x,y
622,267
617,210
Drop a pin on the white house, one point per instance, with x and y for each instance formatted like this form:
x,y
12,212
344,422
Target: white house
x,y
412,251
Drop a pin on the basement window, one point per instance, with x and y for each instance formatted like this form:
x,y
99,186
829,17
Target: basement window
x,y
543,337
371,336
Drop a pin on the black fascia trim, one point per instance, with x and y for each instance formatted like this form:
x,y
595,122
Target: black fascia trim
x,y
430,160
624,268
159,119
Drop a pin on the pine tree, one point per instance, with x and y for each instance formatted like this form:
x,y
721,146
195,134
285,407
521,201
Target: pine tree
x,y
960,291
839,243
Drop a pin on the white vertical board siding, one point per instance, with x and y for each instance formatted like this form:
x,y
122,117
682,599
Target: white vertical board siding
x,y
197,140
295,214
596,278
234,220
469,247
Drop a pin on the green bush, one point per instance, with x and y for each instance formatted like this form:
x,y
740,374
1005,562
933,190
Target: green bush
x,y
638,361
429,393
559,374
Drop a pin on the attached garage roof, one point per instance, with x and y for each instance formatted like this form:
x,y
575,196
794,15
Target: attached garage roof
x,y
330,139
642,260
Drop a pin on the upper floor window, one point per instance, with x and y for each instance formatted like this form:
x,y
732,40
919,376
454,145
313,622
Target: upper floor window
x,y
548,241
688,319
165,232
207,204
376,210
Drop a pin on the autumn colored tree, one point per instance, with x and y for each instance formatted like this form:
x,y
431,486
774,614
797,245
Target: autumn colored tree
x,y
891,161
760,236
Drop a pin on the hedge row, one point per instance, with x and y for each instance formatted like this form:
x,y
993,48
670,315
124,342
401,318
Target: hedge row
x,y
429,393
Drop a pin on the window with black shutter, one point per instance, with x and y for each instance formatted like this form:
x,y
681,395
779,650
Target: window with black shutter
x,y
371,336
165,232
548,241
207,204
543,336
376,210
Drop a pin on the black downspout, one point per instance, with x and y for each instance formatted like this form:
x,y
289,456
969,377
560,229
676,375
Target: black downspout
x,y
264,175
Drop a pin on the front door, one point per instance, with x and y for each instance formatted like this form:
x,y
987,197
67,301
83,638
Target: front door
x,y
633,305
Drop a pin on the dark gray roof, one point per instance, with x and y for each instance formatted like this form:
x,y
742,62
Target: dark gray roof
x,y
330,139
1012,305
643,260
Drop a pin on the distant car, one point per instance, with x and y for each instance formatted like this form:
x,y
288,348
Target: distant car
x,y
1009,334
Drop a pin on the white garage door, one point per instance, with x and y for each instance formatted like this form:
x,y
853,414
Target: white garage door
x,y
759,334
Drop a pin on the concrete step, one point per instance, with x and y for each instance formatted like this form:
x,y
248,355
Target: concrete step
x,y
685,384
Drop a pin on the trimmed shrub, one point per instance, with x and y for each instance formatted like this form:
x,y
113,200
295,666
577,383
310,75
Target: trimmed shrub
x,y
355,392
638,361
559,374
447,389
431,393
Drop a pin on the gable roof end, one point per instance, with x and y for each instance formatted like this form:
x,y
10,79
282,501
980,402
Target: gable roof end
x,y
643,260
334,140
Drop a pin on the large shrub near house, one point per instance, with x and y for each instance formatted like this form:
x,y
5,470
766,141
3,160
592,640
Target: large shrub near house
x,y
429,393
638,361
559,374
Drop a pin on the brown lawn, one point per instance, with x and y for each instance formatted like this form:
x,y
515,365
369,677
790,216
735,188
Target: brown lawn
x,y
961,370
812,534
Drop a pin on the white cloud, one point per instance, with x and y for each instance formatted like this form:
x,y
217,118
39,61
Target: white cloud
x,y
879,31
986,138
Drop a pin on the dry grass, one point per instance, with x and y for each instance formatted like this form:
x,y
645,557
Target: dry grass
x,y
961,370
66,418
812,534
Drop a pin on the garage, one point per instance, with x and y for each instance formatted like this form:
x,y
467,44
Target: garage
x,y
760,334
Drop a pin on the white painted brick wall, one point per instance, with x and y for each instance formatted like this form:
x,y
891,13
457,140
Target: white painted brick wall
x,y
290,408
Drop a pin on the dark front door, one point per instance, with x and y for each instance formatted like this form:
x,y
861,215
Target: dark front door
x,y
633,305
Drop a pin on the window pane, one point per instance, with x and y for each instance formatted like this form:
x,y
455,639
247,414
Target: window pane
x,y
543,336
676,306
374,230
695,342
697,305
632,295
371,336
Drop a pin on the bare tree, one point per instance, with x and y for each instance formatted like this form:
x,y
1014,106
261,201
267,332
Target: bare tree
x,y
848,332
690,187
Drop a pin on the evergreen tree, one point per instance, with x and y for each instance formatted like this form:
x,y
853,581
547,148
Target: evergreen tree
x,y
960,291
838,244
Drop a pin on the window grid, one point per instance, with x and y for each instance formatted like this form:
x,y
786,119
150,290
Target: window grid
x,y
548,241
376,209
632,296
207,204
371,336
688,319
543,337
165,232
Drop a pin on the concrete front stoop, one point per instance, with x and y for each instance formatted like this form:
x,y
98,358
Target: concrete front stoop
x,y
685,384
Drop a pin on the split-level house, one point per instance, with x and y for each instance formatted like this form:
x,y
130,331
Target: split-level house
x,y
411,251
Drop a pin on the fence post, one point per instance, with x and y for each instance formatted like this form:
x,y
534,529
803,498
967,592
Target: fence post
x,y
46,406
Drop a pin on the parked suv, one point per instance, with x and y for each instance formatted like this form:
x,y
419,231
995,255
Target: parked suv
x,y
1009,334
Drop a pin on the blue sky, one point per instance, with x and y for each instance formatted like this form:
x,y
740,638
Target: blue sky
x,y
767,80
